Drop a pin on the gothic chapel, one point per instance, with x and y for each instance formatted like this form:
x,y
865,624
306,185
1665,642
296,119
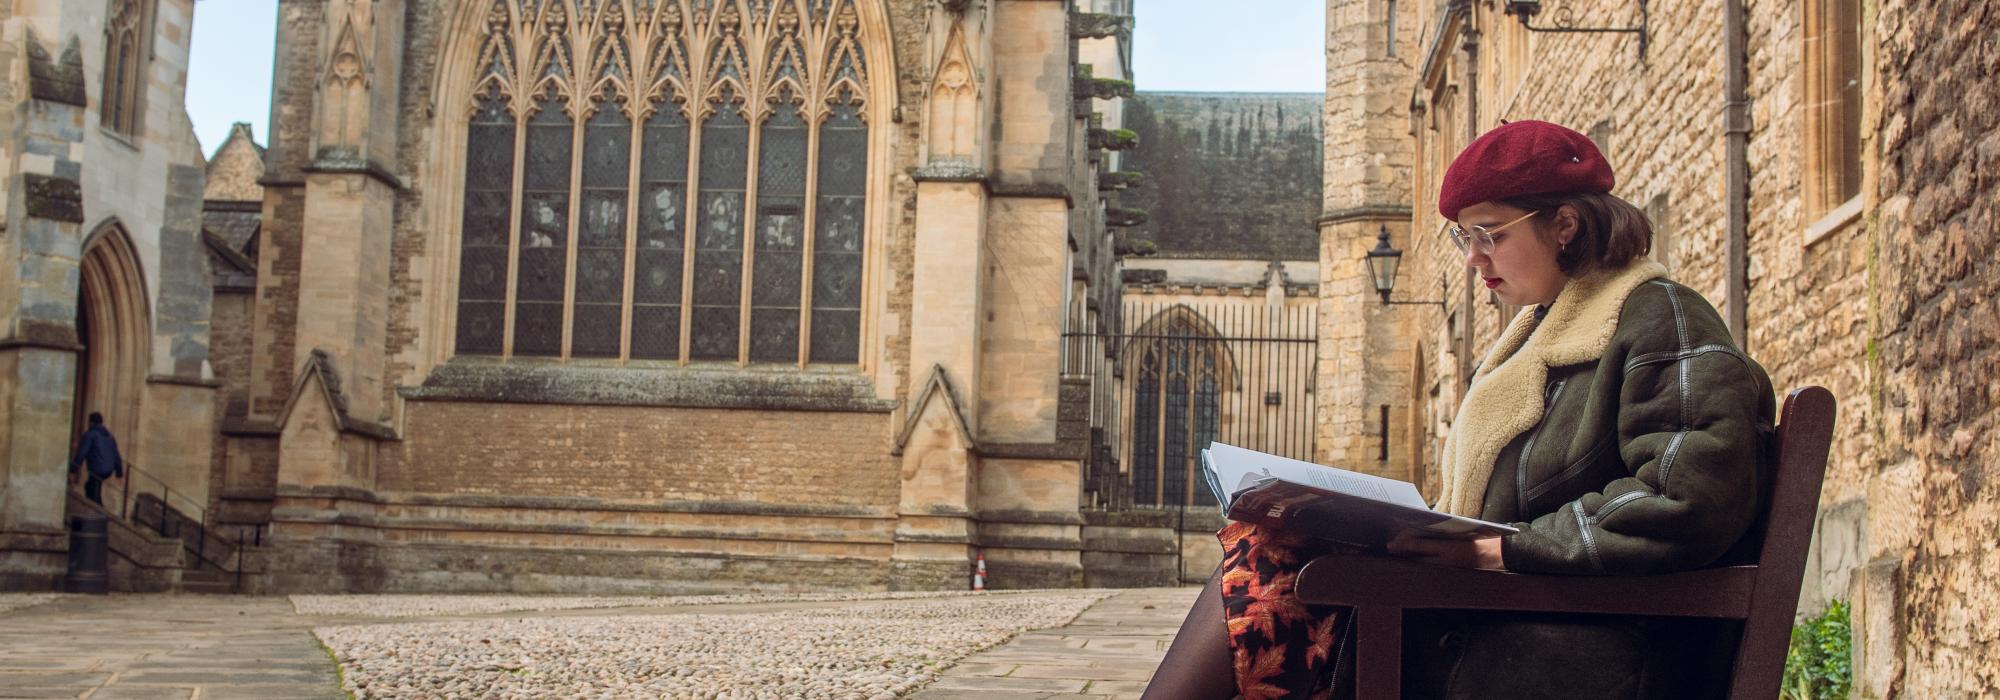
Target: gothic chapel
x,y
668,295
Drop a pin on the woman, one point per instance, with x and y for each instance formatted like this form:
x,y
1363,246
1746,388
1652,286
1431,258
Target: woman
x,y
1614,422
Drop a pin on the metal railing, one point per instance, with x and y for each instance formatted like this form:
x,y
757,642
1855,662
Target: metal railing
x,y
176,510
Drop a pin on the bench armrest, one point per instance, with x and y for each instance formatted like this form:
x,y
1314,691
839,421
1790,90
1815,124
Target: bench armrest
x,y
1366,580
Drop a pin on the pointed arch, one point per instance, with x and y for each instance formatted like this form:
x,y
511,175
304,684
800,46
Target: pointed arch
x,y
1183,321
1180,368
114,322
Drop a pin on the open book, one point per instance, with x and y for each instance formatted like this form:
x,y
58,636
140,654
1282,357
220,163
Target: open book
x,y
1325,502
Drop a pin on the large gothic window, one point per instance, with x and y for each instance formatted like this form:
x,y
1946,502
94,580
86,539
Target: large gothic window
x,y
1176,410
666,180
126,31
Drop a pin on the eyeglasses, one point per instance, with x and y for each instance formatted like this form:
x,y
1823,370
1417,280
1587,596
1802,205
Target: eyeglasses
x,y
1481,238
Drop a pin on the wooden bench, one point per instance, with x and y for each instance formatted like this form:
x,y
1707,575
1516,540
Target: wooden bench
x,y
1764,595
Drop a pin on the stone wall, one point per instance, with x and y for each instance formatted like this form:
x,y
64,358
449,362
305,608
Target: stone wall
x,y
1933,504
642,454
1891,308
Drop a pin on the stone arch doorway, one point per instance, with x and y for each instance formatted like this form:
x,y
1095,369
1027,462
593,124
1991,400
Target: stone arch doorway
x,y
115,328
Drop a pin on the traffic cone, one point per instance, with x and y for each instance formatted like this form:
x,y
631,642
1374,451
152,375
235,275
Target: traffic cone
x,y
979,574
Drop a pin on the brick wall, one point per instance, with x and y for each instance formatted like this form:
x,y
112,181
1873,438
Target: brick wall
x,y
643,454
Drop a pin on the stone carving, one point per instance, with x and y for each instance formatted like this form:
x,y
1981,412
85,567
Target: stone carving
x,y
344,86
698,56
954,117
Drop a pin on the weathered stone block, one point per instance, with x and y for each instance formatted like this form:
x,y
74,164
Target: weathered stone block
x,y
56,80
53,198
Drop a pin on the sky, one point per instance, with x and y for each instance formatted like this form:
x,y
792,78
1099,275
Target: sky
x,y
229,70
1254,46
1230,46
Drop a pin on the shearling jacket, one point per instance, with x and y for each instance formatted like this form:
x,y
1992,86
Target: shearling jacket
x,y
1623,433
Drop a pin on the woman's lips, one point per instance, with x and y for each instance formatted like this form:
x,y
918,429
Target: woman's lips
x,y
1492,282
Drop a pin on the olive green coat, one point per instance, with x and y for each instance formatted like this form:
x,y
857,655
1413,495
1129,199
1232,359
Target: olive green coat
x,y
1623,433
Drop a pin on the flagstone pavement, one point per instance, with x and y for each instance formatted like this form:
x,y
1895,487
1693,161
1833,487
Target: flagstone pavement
x,y
201,647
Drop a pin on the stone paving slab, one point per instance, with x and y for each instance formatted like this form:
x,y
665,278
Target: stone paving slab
x,y
163,646
1108,652
222,647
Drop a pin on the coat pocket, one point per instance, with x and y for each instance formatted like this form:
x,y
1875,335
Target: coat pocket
x,y
1544,487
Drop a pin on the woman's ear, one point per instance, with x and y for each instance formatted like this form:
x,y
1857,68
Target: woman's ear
x,y
1566,225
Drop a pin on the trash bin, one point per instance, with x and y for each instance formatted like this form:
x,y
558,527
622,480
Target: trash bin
x,y
88,554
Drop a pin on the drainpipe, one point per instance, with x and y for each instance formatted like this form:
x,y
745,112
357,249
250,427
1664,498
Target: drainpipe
x,y
1466,308
1736,126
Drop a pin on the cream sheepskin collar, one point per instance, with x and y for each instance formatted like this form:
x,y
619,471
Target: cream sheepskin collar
x,y
1505,399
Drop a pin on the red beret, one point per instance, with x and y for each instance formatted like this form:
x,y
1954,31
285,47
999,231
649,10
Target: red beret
x,y
1520,159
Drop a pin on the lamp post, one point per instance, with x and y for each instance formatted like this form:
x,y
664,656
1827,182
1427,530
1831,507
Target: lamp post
x,y
1382,263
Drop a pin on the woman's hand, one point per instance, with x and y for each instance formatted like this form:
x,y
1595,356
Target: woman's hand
x,y
1466,554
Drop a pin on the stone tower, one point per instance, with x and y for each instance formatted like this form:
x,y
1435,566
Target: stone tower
x,y
1370,67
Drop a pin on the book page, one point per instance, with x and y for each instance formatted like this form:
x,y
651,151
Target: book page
x,y
1233,464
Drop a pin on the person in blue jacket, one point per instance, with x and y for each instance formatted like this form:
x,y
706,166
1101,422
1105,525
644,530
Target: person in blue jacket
x,y
99,451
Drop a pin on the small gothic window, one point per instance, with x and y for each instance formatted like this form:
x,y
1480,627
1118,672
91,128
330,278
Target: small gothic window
x,y
1832,114
690,185
127,30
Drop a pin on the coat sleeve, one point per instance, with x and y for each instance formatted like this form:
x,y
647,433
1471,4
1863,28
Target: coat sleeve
x,y
1692,419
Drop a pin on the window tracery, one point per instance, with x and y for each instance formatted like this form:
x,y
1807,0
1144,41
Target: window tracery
x,y
127,29
666,180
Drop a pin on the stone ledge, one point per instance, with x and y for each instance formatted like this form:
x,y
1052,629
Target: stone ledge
x,y
195,382
1064,450
295,514
1197,519
30,541
348,163
1010,575
1369,212
667,386
931,538
1029,517
993,541
348,493
1163,544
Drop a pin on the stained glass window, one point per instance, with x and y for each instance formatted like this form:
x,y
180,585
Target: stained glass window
x,y
843,182
543,246
592,236
663,205
781,226
718,236
599,323
482,263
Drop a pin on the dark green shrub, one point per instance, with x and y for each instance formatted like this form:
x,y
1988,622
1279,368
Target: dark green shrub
x,y
1819,664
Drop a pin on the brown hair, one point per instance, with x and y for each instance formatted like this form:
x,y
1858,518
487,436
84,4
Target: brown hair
x,y
1610,232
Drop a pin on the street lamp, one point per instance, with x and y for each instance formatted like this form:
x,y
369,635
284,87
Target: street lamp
x,y
1565,22
1382,264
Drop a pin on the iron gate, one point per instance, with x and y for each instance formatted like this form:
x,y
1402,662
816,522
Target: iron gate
x,y
1168,376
